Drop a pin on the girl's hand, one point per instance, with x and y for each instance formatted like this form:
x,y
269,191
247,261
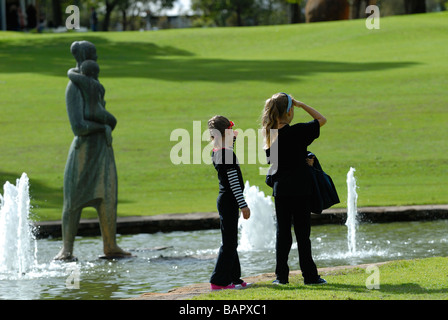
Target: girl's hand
x,y
310,161
246,212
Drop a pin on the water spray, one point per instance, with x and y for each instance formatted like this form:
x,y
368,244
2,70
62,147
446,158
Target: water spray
x,y
352,211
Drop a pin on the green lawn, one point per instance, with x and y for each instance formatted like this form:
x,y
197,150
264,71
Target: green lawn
x,y
420,279
382,91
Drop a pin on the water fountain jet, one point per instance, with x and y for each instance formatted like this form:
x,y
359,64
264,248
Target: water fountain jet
x,y
17,243
258,232
352,211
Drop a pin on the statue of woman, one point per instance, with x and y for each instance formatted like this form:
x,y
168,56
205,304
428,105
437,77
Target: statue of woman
x,y
90,177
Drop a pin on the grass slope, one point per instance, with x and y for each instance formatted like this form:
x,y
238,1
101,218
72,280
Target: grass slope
x,y
420,279
383,92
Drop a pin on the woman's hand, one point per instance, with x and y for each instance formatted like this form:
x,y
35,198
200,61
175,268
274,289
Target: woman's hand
x,y
297,103
312,112
246,212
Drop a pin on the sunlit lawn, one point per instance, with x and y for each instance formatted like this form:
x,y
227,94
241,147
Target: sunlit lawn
x,y
382,91
420,279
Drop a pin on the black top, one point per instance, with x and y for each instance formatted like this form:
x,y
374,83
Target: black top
x,y
292,176
229,174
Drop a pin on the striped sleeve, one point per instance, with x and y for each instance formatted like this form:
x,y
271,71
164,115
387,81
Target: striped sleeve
x,y
236,188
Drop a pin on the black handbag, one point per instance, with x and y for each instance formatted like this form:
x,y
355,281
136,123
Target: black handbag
x,y
324,193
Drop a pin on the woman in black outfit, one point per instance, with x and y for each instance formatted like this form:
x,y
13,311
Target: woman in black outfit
x,y
286,149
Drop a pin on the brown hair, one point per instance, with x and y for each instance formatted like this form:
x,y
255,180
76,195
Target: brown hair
x,y
274,109
218,125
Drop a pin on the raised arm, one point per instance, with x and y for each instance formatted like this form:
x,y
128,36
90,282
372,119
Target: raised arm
x,y
82,81
311,111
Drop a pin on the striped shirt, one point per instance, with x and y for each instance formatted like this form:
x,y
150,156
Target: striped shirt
x,y
229,174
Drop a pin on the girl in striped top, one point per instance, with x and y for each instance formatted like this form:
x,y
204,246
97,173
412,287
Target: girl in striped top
x,y
227,272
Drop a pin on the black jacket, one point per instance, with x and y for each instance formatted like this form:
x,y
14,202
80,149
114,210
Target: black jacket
x,y
324,193
289,174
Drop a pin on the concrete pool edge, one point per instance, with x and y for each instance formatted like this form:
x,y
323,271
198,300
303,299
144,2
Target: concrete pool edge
x,y
210,220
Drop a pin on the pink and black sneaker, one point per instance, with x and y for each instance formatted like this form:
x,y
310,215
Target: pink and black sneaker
x,y
214,287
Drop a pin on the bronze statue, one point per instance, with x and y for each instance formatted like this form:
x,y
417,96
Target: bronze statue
x,y
90,177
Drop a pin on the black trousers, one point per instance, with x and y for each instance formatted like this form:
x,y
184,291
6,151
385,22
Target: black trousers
x,y
294,210
227,268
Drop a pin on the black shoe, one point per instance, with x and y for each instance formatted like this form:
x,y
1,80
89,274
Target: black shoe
x,y
279,282
317,281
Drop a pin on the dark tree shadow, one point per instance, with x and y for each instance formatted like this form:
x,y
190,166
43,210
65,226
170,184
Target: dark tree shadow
x,y
41,194
148,60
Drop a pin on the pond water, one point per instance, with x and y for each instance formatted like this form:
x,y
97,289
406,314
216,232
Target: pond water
x,y
189,257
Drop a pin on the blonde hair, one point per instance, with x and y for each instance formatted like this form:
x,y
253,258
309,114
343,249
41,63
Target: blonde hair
x,y
274,109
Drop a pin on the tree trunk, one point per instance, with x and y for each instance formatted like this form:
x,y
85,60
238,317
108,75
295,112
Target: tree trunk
x,y
239,19
356,6
295,13
414,6
110,5
125,20
57,12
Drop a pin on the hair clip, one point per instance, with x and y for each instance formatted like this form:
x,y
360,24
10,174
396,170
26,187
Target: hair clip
x,y
289,101
232,124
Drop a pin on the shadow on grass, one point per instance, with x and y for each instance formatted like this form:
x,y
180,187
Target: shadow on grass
x,y
402,288
43,196
51,56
